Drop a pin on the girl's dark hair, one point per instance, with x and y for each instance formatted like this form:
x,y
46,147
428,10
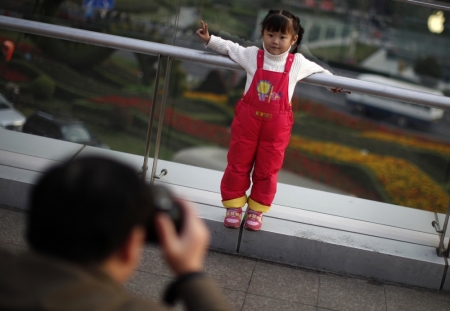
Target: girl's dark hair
x,y
279,20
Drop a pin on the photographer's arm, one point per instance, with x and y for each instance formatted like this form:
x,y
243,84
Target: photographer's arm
x,y
185,255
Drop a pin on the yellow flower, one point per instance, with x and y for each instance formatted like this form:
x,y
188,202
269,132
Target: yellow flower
x,y
218,98
412,142
403,182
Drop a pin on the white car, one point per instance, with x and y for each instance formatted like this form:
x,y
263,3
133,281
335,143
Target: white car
x,y
10,118
404,113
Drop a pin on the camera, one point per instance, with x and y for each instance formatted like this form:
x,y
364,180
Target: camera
x,y
163,202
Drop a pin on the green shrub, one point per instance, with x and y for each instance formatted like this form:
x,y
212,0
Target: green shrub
x,y
42,87
428,66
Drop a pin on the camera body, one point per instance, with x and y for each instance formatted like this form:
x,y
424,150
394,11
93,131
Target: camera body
x,y
163,202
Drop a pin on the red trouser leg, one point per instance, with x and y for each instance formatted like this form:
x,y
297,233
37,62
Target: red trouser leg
x,y
241,156
273,141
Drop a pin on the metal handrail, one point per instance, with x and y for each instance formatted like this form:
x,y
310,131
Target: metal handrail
x,y
204,57
430,4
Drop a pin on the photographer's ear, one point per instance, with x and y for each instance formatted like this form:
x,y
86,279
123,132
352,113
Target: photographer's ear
x,y
121,264
135,244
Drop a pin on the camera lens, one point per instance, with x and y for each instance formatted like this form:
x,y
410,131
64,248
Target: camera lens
x,y
164,203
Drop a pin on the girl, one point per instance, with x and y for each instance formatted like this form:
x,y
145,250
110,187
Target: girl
x,y
263,120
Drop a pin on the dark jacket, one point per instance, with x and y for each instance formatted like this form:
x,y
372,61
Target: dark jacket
x,y
30,281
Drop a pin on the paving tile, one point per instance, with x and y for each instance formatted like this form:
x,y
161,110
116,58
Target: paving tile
x,y
230,271
153,261
152,286
12,227
347,294
285,283
261,303
147,285
235,298
13,248
406,299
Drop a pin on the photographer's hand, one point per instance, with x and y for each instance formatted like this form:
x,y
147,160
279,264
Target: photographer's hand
x,y
184,253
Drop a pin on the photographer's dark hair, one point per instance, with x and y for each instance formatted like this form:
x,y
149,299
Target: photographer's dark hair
x,y
83,210
283,21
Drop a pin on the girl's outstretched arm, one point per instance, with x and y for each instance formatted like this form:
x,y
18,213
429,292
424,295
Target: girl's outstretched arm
x,y
203,32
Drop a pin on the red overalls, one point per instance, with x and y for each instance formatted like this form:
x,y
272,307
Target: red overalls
x,y
260,133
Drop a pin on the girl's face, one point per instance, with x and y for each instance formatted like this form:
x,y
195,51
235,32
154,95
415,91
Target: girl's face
x,y
276,42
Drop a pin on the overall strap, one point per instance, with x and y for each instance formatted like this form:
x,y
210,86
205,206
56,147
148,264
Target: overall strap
x,y
289,62
260,59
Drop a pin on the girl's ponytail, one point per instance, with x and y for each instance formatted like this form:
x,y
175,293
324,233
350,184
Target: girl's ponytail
x,y
300,30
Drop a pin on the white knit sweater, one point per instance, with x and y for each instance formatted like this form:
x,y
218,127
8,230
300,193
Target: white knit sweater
x,y
246,57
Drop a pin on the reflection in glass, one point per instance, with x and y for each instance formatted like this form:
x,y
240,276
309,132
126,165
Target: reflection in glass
x,y
76,134
104,103
314,33
330,33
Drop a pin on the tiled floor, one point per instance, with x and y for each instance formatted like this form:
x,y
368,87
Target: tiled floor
x,y
251,284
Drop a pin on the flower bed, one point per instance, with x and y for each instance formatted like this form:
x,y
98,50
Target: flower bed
x,y
330,174
370,129
403,182
12,74
335,117
210,133
216,98
410,141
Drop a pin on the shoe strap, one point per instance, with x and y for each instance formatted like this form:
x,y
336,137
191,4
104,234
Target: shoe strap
x,y
234,212
256,216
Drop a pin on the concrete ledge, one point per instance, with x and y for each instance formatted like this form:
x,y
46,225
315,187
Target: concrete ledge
x,y
344,253
305,227
222,238
15,186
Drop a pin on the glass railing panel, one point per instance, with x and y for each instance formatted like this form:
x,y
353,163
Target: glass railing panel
x,y
140,19
102,100
198,116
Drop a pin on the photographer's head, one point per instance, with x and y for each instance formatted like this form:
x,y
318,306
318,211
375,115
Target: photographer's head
x,y
88,209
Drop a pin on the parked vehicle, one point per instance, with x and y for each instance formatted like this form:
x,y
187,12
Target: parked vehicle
x,y
403,113
10,118
60,126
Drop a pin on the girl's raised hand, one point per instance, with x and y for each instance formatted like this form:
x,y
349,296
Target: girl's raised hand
x,y
203,32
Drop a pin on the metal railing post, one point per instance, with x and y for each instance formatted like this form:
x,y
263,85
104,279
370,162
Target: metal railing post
x,y
150,125
161,123
441,250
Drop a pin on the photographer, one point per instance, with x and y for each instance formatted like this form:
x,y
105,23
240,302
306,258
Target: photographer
x,y
87,225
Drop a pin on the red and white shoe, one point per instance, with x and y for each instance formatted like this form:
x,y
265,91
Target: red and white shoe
x,y
233,218
253,222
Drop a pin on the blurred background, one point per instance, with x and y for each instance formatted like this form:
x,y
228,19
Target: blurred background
x,y
353,144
